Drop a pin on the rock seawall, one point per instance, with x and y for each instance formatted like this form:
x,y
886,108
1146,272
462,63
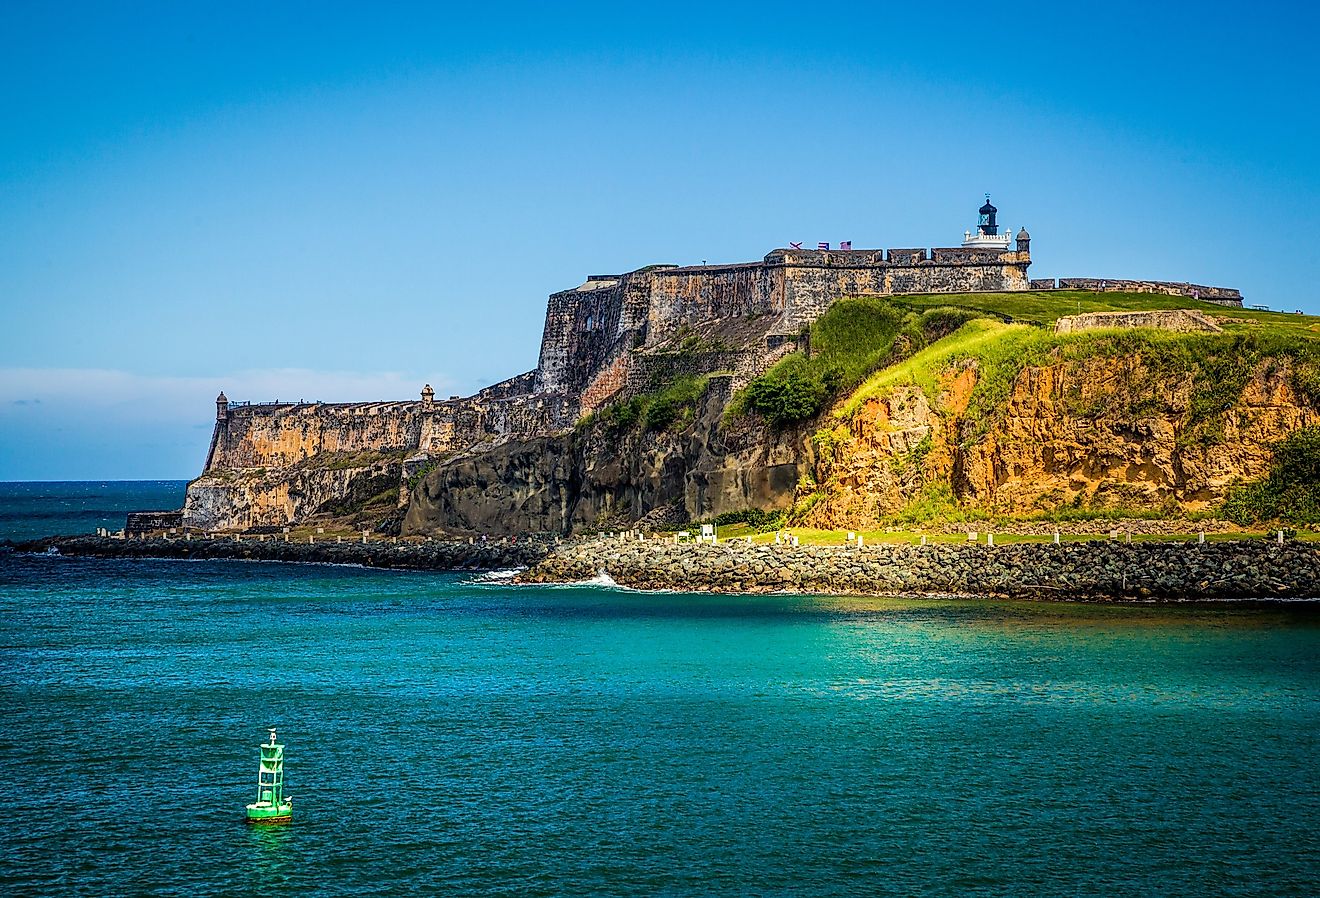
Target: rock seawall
x,y
427,556
1151,571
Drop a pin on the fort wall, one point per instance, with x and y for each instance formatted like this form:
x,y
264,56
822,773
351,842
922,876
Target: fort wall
x,y
1224,296
281,435
591,331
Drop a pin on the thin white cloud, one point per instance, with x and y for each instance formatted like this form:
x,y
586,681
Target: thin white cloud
x,y
93,423
100,387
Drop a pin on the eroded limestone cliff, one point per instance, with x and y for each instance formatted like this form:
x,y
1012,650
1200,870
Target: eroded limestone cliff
x,y
1099,433
992,420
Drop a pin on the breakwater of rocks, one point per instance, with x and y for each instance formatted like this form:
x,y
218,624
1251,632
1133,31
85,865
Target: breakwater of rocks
x,y
1238,570
1144,571
429,555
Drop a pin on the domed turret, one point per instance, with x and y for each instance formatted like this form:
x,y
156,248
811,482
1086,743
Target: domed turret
x,y
221,406
428,394
986,235
986,224
1023,241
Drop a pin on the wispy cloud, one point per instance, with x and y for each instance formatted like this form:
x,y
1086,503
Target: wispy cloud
x,y
104,387
104,423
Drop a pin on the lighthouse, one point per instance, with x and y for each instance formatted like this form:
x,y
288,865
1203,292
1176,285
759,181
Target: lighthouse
x,y
987,234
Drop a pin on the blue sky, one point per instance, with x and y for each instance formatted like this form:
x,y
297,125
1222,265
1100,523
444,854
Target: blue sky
x,y
341,202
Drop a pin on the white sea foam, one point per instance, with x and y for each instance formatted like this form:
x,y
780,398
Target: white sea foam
x,y
503,577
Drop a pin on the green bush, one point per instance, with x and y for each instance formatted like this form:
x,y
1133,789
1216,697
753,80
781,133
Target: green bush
x,y
758,520
792,390
660,410
852,339
1290,492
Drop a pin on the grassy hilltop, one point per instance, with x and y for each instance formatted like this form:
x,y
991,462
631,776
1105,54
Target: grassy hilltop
x,y
977,409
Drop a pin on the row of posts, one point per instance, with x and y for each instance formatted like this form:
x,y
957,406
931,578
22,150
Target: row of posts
x,y
782,537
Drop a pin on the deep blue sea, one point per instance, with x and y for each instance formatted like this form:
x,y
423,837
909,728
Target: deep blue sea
x,y
30,509
447,733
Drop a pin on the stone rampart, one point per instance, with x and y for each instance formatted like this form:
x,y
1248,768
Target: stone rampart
x,y
149,521
278,435
1224,296
590,328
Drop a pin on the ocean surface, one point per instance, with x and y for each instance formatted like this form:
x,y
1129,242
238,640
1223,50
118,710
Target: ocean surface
x,y
31,509
456,734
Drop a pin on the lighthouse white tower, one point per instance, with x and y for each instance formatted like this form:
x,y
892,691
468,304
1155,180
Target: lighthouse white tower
x,y
987,234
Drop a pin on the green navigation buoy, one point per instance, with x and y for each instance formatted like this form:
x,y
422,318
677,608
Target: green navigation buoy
x,y
271,806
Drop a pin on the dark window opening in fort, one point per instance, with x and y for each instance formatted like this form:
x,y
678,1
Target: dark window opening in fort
x,y
590,322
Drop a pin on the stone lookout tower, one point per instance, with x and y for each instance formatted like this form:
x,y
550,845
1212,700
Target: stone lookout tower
x,y
987,234
428,394
221,406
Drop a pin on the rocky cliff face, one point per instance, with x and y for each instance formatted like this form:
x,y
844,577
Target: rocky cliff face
x,y
364,487
599,477
1105,432
1099,433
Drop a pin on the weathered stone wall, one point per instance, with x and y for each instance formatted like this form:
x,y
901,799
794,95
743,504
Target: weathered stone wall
x,y
582,327
278,435
520,385
147,521
274,464
1176,320
462,424
1224,296
590,330
687,295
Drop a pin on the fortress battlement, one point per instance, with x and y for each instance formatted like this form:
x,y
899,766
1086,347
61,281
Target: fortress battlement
x,y
613,336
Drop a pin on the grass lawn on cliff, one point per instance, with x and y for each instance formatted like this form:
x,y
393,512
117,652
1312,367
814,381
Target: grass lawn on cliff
x,y
1046,307
808,536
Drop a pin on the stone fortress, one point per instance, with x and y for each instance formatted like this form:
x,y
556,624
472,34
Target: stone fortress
x,y
616,335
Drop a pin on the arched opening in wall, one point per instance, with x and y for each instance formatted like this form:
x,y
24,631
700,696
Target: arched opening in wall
x,y
590,322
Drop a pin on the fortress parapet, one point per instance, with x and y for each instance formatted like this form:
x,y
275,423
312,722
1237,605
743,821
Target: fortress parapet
x,y
591,329
1223,296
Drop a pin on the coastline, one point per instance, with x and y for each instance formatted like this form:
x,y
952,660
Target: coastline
x,y
432,555
1240,571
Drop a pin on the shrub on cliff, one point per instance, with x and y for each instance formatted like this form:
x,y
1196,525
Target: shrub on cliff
x,y
1291,491
660,410
676,403
791,391
852,339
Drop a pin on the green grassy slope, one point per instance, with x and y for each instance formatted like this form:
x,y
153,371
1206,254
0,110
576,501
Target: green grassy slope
x,y
1044,308
865,347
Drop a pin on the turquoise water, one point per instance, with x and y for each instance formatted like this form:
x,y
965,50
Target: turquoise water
x,y
477,738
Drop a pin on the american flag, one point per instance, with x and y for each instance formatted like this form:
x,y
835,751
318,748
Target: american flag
x,y
845,244
822,246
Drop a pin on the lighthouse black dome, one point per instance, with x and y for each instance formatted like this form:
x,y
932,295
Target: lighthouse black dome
x,y
987,209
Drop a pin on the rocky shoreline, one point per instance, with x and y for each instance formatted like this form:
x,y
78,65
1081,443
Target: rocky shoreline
x,y
431,555
1239,570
